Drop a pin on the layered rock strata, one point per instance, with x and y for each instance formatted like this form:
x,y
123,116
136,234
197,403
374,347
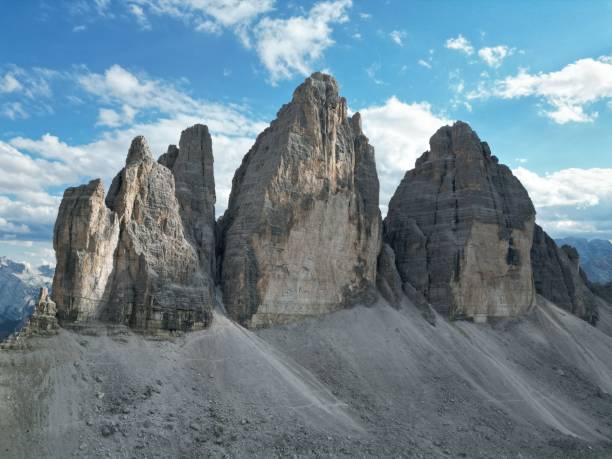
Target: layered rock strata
x,y
301,233
559,277
461,227
144,255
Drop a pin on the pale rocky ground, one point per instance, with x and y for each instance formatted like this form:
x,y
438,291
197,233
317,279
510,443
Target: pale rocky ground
x,y
360,382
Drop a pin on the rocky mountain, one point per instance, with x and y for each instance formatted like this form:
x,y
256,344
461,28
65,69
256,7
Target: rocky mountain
x,y
461,228
301,233
19,286
302,240
595,257
559,277
143,255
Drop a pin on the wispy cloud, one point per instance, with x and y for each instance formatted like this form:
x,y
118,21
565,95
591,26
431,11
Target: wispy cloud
x,y
398,36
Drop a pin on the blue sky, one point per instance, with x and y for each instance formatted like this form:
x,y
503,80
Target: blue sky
x,y
79,79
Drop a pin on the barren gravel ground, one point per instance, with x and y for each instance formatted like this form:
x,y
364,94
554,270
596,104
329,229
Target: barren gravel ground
x,y
358,383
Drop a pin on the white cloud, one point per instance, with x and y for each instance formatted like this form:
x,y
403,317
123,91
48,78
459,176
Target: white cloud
x,y
118,85
400,133
14,110
221,13
285,46
140,16
112,118
40,168
398,37
568,187
372,70
291,46
34,83
10,84
572,200
79,28
494,56
568,91
424,63
8,227
460,43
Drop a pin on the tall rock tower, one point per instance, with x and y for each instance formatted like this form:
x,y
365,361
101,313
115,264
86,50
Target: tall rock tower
x,y
143,256
461,226
302,230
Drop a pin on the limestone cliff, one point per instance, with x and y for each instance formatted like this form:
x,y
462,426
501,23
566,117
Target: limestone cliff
x,y
144,255
302,230
84,238
461,226
559,277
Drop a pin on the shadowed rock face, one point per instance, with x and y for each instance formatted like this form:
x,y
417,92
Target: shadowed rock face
x,y
144,255
302,230
461,226
559,278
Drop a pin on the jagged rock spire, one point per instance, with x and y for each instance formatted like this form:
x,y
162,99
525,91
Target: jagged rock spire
x,y
301,233
144,255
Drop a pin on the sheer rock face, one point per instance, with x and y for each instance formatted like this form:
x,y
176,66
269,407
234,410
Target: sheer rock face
x,y
133,258
192,167
85,236
302,231
559,278
461,226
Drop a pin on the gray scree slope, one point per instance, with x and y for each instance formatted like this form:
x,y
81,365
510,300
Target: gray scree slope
x,y
461,226
302,230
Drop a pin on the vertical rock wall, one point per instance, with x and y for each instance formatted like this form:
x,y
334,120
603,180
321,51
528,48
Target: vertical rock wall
x,y
302,230
461,226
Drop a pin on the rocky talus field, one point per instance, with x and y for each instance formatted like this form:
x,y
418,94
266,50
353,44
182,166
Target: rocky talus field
x,y
301,323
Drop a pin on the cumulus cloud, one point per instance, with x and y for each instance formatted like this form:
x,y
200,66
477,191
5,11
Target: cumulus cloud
x,y
40,168
494,56
569,92
287,47
572,201
460,43
400,133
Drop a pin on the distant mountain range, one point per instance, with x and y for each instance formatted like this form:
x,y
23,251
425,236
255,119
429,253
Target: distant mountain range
x,y
19,285
595,257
